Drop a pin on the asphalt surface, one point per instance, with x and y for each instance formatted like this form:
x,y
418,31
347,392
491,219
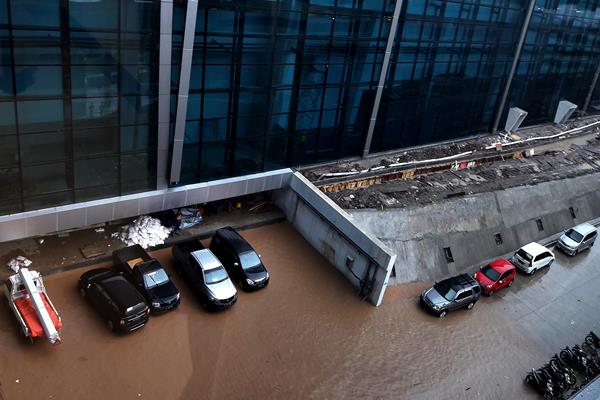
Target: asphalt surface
x,y
308,336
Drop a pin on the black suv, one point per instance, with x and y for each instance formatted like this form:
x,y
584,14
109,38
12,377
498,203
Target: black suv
x,y
239,258
115,299
461,291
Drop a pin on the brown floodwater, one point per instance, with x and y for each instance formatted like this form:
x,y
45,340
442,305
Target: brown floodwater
x,y
307,335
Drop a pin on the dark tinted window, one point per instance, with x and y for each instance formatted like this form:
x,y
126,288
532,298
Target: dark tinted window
x,y
491,273
524,255
444,289
464,295
574,235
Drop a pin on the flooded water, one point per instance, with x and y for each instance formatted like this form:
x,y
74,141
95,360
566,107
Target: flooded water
x,y
307,335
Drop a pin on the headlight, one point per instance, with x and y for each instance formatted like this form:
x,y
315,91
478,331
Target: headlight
x,y
488,286
177,296
249,282
155,304
436,306
267,275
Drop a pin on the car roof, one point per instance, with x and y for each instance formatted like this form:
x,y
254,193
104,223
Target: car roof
x,y
461,281
206,259
501,265
584,228
121,291
236,241
534,248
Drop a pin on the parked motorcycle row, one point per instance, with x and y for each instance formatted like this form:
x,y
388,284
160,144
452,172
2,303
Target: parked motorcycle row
x,y
558,379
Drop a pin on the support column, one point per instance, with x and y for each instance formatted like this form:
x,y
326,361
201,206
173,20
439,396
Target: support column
x,y
184,86
588,98
514,65
382,76
164,92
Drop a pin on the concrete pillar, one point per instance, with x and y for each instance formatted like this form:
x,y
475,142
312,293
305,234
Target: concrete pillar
x,y
513,67
382,76
184,87
164,92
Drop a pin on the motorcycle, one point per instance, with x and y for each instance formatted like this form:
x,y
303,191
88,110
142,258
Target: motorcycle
x,y
541,383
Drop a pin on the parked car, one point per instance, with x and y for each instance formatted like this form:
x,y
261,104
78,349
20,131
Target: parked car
x,y
532,257
205,274
577,239
240,260
461,291
496,275
148,276
115,299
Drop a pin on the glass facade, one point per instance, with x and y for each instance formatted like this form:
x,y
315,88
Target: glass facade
x,y
77,100
273,83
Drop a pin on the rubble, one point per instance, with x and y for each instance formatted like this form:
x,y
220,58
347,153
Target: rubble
x,y
145,231
18,262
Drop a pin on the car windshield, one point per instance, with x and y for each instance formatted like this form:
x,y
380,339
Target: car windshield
x,y
155,278
574,235
524,255
491,273
445,290
215,275
250,261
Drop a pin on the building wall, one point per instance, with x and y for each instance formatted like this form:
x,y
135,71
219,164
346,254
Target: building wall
x,y
77,101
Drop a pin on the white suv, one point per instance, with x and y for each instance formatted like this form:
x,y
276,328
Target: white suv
x,y
532,257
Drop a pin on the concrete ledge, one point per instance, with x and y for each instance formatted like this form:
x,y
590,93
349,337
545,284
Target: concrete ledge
x,y
79,215
359,256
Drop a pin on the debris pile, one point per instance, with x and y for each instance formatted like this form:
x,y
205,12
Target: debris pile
x,y
145,231
18,262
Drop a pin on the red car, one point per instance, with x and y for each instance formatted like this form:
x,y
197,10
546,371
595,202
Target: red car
x,y
496,275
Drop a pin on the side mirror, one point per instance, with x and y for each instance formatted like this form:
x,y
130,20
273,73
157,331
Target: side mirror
x,y
259,256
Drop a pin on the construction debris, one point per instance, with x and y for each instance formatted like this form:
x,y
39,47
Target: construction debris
x,y
18,262
145,231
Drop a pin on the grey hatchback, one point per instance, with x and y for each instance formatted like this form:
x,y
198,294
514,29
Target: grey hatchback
x,y
461,291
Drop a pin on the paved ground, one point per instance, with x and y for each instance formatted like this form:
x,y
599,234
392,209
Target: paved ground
x,y
308,336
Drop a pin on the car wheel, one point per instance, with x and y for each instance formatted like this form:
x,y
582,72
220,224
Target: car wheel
x,y
111,325
443,314
82,292
510,283
470,305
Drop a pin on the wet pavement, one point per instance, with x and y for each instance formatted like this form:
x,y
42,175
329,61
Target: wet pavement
x,y
307,335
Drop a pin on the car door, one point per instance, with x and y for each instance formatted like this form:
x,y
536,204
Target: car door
x,y
93,294
538,261
588,240
463,298
504,279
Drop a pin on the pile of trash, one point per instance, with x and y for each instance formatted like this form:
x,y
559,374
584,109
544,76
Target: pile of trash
x,y
145,231
18,262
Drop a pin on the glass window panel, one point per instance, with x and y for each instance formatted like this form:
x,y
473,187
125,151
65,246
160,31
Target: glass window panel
x,y
319,24
49,146
220,20
96,192
307,120
331,98
255,76
136,79
279,124
137,138
216,105
137,167
137,109
95,111
5,47
94,80
7,118
276,150
258,22
95,141
35,12
248,157
38,81
213,160
191,134
94,14
328,119
47,178
94,48
9,153
214,130
195,77
48,200
3,12
252,103
280,102
140,16
96,172
9,178
6,86
217,76
139,49
250,127
37,47
194,106
288,23
40,115
283,75
342,26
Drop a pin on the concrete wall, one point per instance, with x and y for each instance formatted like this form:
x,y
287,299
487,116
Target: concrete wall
x,y
332,233
468,225
79,215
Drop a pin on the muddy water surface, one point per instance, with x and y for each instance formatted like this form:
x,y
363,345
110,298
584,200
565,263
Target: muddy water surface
x,y
305,336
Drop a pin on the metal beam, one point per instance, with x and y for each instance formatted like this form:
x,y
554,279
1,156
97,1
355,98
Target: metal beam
x,y
164,92
588,98
382,76
184,86
514,65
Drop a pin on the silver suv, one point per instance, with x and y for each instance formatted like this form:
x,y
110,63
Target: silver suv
x,y
578,238
461,291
